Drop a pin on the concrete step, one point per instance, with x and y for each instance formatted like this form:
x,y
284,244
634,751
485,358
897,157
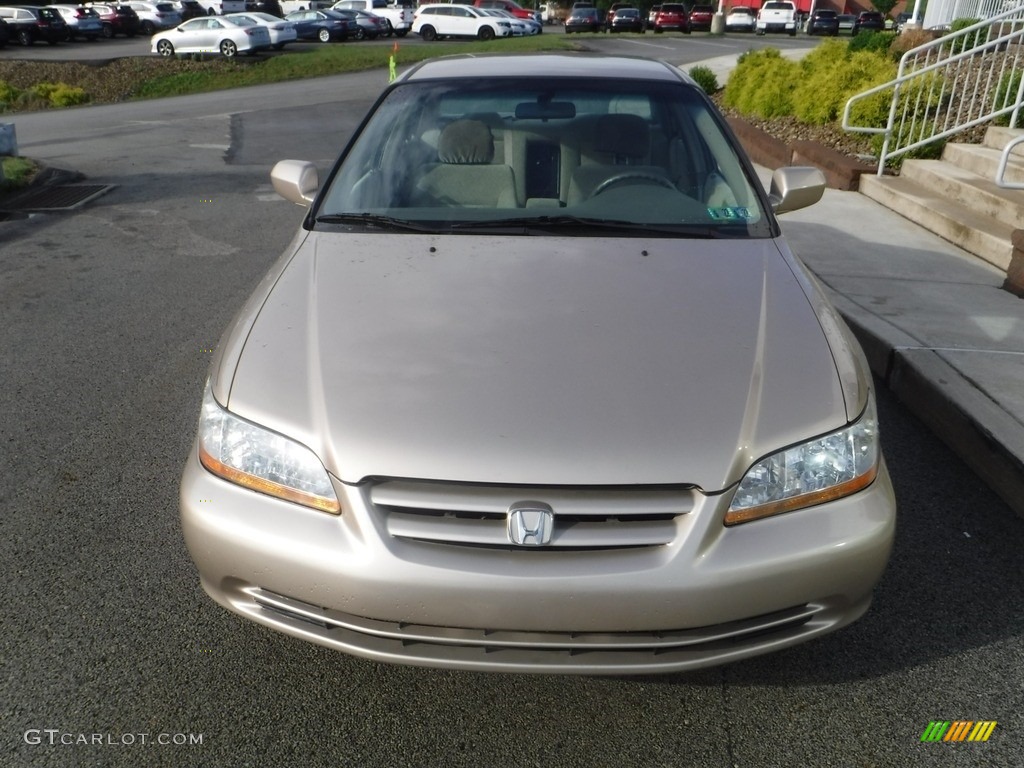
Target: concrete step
x,y
984,161
998,137
983,236
981,194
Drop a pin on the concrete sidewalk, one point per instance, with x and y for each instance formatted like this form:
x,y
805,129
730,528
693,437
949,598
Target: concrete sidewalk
x,y
935,323
937,327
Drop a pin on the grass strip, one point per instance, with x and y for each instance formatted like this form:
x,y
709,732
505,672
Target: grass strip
x,y
330,59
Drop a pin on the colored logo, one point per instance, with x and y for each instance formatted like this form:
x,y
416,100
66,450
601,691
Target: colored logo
x,y
958,730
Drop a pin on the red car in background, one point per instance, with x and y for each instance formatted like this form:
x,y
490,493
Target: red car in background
x,y
117,19
701,16
672,16
512,7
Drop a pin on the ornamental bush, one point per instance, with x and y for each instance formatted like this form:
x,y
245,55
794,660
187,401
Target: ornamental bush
x,y
8,92
59,94
705,78
762,84
870,40
831,74
1006,94
968,41
65,95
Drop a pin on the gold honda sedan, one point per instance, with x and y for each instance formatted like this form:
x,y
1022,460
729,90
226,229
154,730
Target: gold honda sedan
x,y
539,387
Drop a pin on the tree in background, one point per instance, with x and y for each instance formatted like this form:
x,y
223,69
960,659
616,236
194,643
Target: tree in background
x,y
884,6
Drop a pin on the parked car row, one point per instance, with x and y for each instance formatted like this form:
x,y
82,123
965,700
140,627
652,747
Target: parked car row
x,y
58,23
823,21
253,31
27,25
667,17
187,26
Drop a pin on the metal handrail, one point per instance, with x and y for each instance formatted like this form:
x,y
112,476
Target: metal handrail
x,y
1004,159
960,72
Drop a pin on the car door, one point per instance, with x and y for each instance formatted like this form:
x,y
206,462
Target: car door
x,y
463,22
206,34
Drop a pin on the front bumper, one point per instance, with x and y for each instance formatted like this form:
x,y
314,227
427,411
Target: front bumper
x,y
363,584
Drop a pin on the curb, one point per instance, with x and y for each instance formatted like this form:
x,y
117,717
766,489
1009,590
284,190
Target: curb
x,y
969,422
841,171
1015,272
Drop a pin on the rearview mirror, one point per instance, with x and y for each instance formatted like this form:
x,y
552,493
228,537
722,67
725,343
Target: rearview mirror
x,y
545,110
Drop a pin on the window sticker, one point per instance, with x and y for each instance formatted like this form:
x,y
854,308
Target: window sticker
x,y
733,214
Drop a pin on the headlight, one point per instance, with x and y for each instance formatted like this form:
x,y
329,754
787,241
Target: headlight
x,y
817,471
256,458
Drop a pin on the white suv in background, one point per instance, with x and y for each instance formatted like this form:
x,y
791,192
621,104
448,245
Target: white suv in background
x,y
154,17
442,20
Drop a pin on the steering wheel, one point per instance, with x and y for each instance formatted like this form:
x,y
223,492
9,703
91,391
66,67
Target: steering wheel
x,y
632,175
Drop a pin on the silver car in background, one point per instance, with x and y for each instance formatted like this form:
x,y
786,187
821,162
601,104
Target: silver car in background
x,y
538,386
155,16
226,35
280,30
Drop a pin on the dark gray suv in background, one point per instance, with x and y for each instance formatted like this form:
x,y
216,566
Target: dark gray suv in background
x,y
27,24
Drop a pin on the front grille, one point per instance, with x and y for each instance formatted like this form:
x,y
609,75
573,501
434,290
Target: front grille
x,y
607,652
477,516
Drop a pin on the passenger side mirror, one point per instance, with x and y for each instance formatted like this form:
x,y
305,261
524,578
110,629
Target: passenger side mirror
x,y
296,181
795,187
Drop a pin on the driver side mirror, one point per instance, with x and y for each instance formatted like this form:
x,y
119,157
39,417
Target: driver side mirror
x,y
795,187
296,181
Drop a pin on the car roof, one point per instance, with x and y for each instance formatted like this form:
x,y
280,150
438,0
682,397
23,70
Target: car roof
x,y
543,65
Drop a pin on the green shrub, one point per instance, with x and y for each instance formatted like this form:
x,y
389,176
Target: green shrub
x,y
921,102
831,75
43,90
870,40
705,78
829,52
965,43
1006,94
17,172
930,151
8,92
65,95
58,94
762,84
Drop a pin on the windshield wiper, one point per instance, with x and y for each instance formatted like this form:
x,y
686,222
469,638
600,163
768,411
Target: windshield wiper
x,y
546,224
373,221
530,225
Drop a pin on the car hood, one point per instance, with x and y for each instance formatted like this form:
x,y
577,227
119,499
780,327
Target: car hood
x,y
518,360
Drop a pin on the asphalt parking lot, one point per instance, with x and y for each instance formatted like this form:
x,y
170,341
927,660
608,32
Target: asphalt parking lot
x,y
108,315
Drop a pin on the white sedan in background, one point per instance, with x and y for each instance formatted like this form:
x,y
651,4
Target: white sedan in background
x,y
531,26
741,19
281,31
226,35
519,28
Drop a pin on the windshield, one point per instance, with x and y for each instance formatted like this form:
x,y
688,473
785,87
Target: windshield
x,y
646,157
